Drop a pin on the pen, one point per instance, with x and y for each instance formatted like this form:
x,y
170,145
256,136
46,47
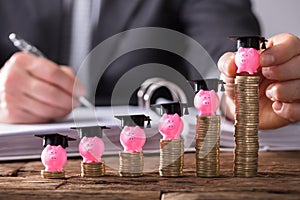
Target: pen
x,y
24,46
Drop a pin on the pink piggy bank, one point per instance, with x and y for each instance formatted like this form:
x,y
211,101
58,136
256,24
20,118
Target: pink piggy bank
x,y
91,149
54,158
247,60
206,102
132,139
170,126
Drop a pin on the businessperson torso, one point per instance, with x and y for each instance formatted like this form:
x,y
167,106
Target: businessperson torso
x,y
47,25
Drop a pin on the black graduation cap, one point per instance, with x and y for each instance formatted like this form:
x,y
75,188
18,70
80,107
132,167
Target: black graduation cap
x,y
171,108
207,84
134,120
90,131
250,41
55,139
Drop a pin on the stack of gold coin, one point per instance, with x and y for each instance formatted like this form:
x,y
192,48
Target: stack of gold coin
x,y
52,175
92,169
246,126
171,158
207,146
131,164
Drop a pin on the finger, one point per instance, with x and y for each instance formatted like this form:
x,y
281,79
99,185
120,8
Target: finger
x,y
69,71
281,49
10,113
34,107
78,88
19,116
227,65
16,80
229,85
43,69
48,94
228,69
286,71
287,91
289,111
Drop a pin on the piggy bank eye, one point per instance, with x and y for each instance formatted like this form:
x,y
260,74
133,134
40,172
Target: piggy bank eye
x,y
169,120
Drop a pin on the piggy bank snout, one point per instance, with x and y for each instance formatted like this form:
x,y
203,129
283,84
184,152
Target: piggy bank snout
x,y
52,155
170,126
89,147
206,102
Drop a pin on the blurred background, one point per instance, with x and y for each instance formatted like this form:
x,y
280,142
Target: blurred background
x,y
278,16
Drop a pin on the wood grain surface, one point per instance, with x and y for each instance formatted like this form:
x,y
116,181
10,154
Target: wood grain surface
x,y
278,178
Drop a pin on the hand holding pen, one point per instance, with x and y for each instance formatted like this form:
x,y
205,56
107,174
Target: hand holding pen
x,y
28,48
35,90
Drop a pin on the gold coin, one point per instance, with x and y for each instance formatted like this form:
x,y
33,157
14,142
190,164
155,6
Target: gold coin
x,y
52,175
207,146
171,158
246,126
131,164
92,169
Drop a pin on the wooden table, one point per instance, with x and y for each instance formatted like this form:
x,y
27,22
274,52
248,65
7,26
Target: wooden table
x,y
278,178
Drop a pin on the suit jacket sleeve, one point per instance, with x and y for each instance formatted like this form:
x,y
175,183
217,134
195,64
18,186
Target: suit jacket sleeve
x,y
211,22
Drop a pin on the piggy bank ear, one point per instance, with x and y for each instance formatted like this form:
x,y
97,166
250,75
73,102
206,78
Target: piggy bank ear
x,y
251,51
176,116
48,147
240,49
136,128
84,139
197,99
58,147
201,92
126,128
165,116
162,121
215,99
95,138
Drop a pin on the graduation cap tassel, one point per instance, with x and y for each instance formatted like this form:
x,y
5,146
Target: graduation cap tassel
x,y
263,46
148,123
222,85
186,110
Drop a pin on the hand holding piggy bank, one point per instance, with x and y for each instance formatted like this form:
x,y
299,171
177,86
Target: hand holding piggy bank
x,y
54,158
170,126
132,139
247,60
91,149
206,102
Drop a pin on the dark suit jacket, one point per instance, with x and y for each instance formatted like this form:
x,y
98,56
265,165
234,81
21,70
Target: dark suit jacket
x,y
210,22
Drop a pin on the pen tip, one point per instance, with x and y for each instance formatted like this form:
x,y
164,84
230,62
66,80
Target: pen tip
x,y
12,36
86,102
